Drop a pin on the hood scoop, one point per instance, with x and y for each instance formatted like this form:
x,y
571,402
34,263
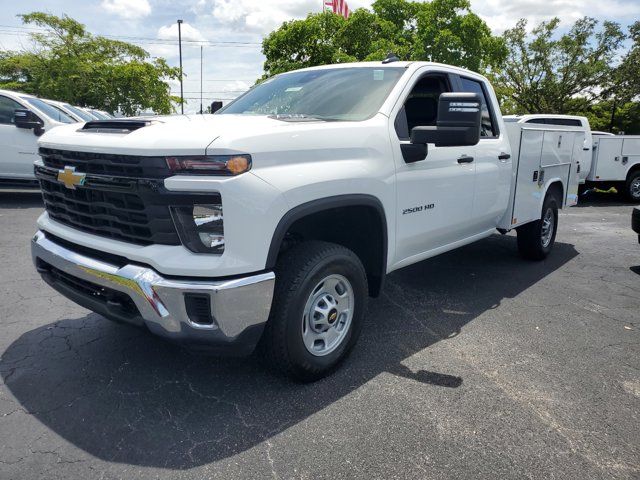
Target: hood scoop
x,y
115,126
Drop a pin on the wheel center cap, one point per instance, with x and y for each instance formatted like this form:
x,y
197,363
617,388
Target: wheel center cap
x,y
333,316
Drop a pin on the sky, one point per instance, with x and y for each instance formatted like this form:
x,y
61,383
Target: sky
x,y
230,31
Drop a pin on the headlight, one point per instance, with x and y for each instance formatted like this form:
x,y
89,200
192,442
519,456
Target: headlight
x,y
200,227
210,164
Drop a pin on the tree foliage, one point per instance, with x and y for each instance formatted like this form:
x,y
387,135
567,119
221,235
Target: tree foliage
x,y
543,72
441,31
67,63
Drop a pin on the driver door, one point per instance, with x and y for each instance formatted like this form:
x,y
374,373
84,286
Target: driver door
x,y
434,195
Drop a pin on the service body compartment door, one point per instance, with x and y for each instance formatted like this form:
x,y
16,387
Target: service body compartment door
x,y
607,163
574,176
526,203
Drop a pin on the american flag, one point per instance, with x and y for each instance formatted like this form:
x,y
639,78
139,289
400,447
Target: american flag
x,y
339,6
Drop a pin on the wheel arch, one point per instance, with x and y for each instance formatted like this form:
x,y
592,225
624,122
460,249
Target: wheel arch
x,y
372,252
554,185
632,170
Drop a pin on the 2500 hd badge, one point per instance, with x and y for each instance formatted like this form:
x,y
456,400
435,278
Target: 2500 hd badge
x,y
418,209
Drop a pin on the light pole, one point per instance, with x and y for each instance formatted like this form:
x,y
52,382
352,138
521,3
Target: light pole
x,y
201,112
180,49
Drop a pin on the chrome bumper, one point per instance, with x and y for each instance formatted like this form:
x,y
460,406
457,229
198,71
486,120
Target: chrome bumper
x,y
239,307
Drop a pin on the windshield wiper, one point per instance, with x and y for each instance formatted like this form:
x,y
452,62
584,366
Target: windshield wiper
x,y
295,117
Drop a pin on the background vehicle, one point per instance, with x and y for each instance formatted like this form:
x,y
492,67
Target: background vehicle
x,y
22,119
272,221
616,162
100,114
609,160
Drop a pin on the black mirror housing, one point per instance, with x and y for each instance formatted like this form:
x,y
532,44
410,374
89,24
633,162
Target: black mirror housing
x,y
215,106
24,118
458,124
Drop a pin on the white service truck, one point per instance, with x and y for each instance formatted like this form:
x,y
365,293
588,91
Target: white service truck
x,y
608,160
270,222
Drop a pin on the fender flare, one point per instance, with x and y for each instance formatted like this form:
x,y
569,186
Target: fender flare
x,y
326,203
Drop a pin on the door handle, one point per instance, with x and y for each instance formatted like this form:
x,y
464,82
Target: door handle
x,y
465,159
504,157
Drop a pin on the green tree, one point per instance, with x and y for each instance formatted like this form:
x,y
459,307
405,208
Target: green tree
x,y
68,63
544,73
440,31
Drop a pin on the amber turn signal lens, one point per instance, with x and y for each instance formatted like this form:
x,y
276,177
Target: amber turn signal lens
x,y
238,164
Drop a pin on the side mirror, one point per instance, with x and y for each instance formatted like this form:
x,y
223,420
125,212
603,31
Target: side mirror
x,y
458,123
24,118
215,106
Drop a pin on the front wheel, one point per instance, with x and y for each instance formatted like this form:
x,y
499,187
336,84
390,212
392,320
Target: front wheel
x,y
318,309
536,239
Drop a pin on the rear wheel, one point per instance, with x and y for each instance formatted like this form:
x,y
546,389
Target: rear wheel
x,y
318,310
632,190
536,239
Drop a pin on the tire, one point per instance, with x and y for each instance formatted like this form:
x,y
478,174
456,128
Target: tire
x,y
535,241
309,278
632,188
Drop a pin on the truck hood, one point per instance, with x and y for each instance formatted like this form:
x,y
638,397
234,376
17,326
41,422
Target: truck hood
x,y
170,135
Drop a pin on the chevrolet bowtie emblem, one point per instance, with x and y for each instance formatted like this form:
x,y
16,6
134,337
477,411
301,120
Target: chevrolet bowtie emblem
x,y
70,178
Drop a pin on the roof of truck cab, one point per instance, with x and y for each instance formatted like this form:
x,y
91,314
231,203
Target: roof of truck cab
x,y
16,94
398,64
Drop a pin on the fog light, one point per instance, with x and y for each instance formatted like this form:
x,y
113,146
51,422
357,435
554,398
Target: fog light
x,y
200,227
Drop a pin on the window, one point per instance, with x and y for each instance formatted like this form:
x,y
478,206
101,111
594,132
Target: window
x,y
421,106
79,113
7,110
48,110
487,128
324,94
571,122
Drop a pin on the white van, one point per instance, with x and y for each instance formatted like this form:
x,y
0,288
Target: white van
x,y
23,118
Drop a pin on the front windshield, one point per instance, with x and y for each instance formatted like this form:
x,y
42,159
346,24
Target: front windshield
x,y
76,111
101,116
325,94
48,110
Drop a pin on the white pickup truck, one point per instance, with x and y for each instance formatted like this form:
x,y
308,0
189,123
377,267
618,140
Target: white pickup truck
x,y
607,160
270,222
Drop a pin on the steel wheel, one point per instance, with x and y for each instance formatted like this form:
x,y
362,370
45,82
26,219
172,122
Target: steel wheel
x,y
548,225
327,315
634,188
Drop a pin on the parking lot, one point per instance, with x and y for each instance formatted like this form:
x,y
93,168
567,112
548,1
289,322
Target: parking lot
x,y
474,364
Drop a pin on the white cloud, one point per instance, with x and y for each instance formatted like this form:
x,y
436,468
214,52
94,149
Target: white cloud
x,y
503,14
259,15
127,8
170,32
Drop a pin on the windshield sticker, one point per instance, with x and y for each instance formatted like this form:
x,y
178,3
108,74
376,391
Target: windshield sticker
x,y
293,89
378,75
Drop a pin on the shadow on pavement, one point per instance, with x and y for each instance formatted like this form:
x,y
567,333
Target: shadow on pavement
x,y
20,198
598,199
124,396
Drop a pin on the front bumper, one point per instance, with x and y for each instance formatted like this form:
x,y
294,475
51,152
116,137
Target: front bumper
x,y
131,293
635,221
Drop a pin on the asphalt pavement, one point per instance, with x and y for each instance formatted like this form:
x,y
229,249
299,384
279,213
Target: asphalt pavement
x,y
475,364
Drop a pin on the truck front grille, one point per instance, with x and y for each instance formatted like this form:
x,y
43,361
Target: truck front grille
x,y
118,215
121,207
106,164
